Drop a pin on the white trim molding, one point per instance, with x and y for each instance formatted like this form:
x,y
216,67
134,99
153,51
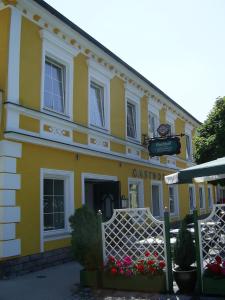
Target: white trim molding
x,y
159,184
14,56
10,248
140,184
68,177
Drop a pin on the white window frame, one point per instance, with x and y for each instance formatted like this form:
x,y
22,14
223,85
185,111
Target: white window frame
x,y
210,187
68,177
194,197
134,100
201,187
176,200
63,54
170,119
188,132
101,77
159,184
140,190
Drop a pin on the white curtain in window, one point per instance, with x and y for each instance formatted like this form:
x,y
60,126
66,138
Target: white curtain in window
x,y
131,120
97,106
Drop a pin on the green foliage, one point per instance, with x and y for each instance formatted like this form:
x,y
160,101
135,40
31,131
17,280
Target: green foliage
x,y
184,249
86,238
209,141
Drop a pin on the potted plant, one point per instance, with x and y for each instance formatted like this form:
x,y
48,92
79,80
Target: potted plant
x,y
86,244
184,255
214,277
145,274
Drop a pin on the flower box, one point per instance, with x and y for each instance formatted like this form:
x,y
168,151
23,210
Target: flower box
x,y
139,282
213,285
90,278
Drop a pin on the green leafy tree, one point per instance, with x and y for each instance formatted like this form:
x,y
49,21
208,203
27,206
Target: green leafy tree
x,y
209,141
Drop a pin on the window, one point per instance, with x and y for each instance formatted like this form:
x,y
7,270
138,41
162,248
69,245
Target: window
x,y
57,202
97,105
153,124
210,197
131,120
54,206
188,147
136,193
157,204
54,88
201,197
191,194
57,75
173,205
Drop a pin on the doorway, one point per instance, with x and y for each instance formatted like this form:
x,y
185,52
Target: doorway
x,y
102,195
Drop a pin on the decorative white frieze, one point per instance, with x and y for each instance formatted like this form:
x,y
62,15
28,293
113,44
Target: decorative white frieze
x,y
9,214
98,142
56,132
171,162
133,152
10,248
7,231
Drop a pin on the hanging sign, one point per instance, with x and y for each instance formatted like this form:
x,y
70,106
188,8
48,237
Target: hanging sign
x,y
164,146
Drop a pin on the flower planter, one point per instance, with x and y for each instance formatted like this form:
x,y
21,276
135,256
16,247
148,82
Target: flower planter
x,y
186,280
142,283
213,285
90,278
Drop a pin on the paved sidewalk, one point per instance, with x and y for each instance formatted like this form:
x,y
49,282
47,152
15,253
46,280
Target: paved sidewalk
x,y
55,283
60,283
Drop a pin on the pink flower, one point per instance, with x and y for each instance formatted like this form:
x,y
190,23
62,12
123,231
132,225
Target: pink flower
x,y
119,263
147,254
127,261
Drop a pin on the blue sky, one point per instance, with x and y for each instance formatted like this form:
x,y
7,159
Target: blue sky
x,y
178,45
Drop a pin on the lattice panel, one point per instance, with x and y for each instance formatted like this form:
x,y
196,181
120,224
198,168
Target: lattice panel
x,y
132,232
212,235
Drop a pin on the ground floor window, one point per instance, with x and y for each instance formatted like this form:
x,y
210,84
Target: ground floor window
x,y
210,196
136,193
173,200
201,197
57,201
192,200
156,195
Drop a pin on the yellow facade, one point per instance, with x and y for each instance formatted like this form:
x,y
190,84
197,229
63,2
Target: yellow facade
x,y
43,140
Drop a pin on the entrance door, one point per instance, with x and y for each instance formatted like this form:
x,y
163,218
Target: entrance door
x,y
156,200
106,197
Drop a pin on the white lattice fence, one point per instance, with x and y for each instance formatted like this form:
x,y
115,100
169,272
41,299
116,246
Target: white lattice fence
x,y
212,236
132,232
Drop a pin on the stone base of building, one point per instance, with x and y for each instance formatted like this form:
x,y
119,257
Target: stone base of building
x,y
35,262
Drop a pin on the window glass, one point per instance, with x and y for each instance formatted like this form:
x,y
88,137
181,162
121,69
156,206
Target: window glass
x,y
134,195
97,105
153,124
172,199
54,93
210,200
201,198
131,120
156,200
54,217
191,198
188,147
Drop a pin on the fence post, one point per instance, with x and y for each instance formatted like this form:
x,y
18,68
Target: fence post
x,y
197,249
99,218
168,250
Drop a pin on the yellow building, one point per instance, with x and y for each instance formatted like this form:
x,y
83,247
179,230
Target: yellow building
x,y
73,117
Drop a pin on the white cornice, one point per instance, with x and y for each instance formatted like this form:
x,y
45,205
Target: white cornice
x,y
95,67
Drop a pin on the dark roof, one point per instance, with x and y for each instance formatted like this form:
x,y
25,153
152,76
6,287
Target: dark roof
x,y
57,14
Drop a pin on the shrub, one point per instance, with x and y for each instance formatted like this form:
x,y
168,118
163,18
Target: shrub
x,y
86,238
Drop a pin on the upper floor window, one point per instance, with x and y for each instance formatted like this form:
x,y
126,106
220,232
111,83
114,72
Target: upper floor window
x,y
54,86
97,105
153,124
57,75
192,200
188,147
131,120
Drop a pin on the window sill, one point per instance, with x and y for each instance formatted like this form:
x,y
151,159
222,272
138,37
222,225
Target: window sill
x,y
51,236
56,114
133,140
100,129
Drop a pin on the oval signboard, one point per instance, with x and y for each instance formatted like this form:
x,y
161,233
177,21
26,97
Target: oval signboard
x,y
164,146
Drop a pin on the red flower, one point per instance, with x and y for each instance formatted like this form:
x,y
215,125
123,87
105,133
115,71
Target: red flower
x,y
156,254
151,269
147,253
218,259
214,268
140,268
150,262
162,264
113,271
111,259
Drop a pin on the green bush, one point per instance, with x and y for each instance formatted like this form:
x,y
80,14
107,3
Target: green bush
x,y
184,248
86,238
